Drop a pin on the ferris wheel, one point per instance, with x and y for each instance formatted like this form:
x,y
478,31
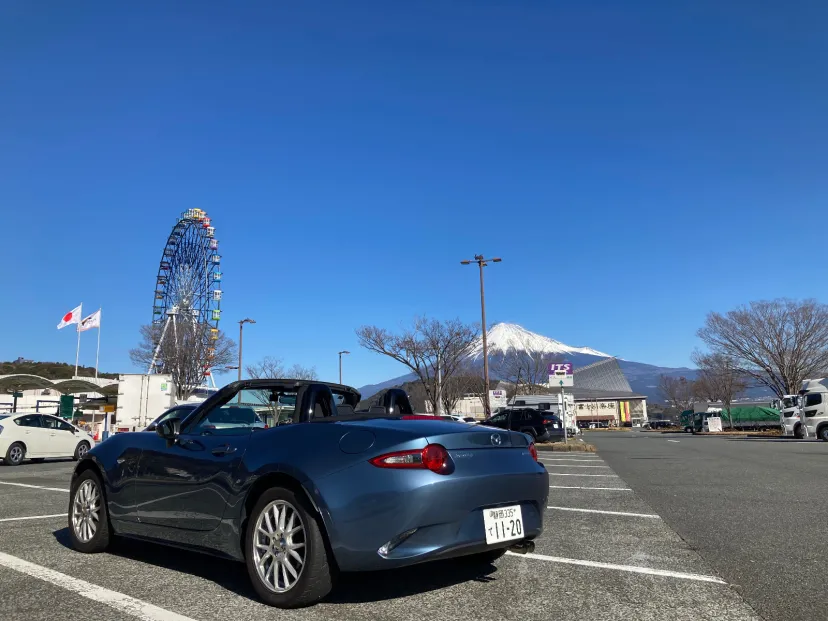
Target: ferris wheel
x,y
188,285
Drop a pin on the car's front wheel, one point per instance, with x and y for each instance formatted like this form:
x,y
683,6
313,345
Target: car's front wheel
x,y
285,551
88,517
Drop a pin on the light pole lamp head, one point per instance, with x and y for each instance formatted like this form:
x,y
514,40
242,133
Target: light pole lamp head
x,y
496,260
247,320
344,351
465,262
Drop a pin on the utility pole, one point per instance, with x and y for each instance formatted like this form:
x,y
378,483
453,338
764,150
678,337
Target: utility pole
x,y
481,262
344,351
241,336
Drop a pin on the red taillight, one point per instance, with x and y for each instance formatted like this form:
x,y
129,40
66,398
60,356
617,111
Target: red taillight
x,y
419,417
533,451
433,457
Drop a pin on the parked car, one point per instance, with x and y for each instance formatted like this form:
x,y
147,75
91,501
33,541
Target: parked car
x,y
332,489
38,436
458,419
542,426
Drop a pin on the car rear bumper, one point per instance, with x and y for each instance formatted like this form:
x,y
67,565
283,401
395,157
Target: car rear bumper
x,y
365,508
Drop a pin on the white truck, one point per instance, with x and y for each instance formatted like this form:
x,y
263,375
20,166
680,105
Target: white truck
x,y
814,404
788,406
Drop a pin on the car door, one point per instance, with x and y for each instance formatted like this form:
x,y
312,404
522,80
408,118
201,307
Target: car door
x,y
62,439
31,433
185,484
498,420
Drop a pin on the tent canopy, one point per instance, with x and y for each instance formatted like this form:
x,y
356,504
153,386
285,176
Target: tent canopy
x,y
22,381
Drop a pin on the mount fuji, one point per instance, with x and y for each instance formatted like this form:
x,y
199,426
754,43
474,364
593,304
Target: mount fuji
x,y
505,337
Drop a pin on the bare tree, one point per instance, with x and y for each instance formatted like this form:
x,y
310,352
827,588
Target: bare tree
x,y
270,367
779,343
187,352
267,368
427,346
465,383
719,379
679,392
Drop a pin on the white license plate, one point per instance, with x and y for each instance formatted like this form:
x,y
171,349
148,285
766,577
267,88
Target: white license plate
x,y
503,524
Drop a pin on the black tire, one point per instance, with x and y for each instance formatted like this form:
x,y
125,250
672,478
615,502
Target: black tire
x,y
798,431
530,432
688,430
15,455
81,450
102,535
317,574
822,433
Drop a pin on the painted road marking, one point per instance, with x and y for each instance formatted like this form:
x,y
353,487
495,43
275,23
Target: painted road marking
x,y
625,513
52,489
630,568
113,599
567,459
616,489
574,474
568,466
676,441
33,517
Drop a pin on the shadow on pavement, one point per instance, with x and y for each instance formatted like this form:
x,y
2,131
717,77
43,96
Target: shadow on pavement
x,y
350,588
791,440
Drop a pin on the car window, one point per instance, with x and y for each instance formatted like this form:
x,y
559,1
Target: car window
x,y
64,426
813,399
180,413
227,420
50,422
498,418
33,420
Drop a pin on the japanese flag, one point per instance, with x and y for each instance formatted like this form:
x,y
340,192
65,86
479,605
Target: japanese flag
x,y
73,316
93,321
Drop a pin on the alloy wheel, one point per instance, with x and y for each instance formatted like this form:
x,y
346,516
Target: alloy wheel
x,y
16,454
86,511
83,449
279,546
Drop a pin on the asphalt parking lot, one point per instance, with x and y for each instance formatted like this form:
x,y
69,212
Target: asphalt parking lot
x,y
753,508
605,554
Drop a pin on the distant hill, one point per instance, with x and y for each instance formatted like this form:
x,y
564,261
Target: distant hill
x,y
50,370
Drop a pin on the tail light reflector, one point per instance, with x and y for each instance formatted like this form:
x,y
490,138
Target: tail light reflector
x,y
533,451
433,457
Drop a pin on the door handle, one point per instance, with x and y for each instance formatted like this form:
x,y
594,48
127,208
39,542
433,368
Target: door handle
x,y
223,450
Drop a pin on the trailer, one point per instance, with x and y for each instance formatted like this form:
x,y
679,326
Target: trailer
x,y
737,418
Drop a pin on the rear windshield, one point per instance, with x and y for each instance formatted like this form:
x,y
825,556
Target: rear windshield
x,y
2,416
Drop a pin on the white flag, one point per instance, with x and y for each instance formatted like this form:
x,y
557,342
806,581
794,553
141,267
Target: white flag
x,y
93,321
73,316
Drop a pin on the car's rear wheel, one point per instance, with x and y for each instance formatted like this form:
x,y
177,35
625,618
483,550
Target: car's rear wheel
x,y
15,454
88,516
81,450
823,433
798,432
285,551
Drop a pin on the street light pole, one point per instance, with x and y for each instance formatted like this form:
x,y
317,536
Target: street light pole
x,y
241,336
481,262
344,351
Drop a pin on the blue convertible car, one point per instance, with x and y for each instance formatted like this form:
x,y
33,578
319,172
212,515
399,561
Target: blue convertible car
x,y
323,489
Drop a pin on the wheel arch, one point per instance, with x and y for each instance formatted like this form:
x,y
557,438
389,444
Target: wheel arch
x,y
287,481
820,427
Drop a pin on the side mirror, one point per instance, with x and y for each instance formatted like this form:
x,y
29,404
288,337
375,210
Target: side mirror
x,y
169,429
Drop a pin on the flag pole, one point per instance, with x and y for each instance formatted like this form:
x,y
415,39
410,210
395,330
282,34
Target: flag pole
x,y
98,351
77,351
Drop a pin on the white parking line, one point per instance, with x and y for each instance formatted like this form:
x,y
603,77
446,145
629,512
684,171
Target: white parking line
x,y
52,489
566,459
676,441
113,599
624,513
574,474
615,489
33,517
569,466
631,568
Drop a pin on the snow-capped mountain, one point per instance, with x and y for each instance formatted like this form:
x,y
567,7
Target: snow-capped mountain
x,y
503,337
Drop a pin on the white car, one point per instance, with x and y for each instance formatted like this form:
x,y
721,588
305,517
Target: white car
x,y
38,436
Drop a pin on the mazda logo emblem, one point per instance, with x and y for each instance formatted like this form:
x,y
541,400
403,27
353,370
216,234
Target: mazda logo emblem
x,y
496,439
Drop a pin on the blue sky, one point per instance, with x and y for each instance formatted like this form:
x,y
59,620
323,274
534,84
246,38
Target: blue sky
x,y
635,164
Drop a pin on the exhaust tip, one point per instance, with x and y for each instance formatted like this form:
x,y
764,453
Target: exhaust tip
x,y
523,547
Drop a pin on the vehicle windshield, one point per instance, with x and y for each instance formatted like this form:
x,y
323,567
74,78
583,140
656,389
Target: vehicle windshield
x,y
2,416
813,399
789,402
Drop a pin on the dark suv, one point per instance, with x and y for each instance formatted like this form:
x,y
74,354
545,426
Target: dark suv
x,y
543,426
